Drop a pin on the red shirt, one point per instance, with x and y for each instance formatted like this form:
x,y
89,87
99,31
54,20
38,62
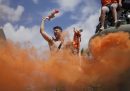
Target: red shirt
x,y
76,39
105,2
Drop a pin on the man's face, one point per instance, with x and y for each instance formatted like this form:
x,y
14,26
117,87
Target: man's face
x,y
57,33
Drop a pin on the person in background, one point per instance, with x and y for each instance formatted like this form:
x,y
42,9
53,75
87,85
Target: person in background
x,y
76,41
107,6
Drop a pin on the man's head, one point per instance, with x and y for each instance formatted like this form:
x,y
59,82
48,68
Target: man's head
x,y
57,32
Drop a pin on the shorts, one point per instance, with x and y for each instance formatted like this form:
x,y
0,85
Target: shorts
x,y
105,8
114,5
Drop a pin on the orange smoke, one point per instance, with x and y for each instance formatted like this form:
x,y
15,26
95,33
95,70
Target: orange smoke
x,y
22,69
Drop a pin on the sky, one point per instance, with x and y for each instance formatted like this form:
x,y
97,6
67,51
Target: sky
x,y
21,19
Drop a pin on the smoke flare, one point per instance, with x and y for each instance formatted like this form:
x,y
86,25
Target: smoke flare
x,y
23,69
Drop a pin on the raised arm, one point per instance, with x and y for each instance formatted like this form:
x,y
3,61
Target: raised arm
x,y
44,34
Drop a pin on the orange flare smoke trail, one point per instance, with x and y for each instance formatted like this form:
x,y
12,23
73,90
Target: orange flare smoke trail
x,y
21,69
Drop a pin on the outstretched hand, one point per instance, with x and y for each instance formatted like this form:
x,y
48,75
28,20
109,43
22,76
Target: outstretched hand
x,y
44,18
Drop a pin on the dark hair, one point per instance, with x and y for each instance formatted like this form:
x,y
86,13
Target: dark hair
x,y
57,27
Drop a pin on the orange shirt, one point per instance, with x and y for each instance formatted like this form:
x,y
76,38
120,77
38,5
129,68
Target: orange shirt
x,y
105,2
114,1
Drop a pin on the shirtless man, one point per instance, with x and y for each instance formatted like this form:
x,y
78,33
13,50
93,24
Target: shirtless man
x,y
55,43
